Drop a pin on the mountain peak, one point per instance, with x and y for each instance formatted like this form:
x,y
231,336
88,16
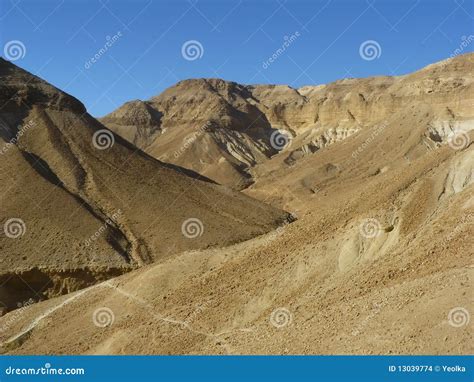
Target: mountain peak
x,y
245,117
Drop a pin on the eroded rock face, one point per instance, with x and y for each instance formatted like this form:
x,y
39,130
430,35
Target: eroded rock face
x,y
243,118
137,122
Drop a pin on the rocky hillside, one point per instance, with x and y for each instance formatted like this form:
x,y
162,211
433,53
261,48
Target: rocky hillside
x,y
226,131
80,204
380,173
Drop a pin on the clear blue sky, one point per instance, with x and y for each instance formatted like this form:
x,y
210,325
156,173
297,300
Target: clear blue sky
x,y
237,37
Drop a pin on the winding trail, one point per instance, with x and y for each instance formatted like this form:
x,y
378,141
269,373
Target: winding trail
x,y
47,313
17,338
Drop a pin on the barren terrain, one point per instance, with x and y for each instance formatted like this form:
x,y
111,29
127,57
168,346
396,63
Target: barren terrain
x,y
377,171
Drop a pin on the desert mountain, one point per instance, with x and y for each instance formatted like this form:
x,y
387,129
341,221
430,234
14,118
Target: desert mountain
x,y
380,173
81,205
226,131
209,125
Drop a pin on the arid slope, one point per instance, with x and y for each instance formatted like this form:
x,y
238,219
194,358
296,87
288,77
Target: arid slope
x,y
86,205
379,261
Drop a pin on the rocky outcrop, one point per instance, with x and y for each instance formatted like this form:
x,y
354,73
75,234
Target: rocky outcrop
x,y
244,117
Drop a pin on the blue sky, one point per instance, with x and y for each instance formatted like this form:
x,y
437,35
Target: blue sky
x,y
324,40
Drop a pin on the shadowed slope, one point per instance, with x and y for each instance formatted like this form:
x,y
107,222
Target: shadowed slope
x,y
90,204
